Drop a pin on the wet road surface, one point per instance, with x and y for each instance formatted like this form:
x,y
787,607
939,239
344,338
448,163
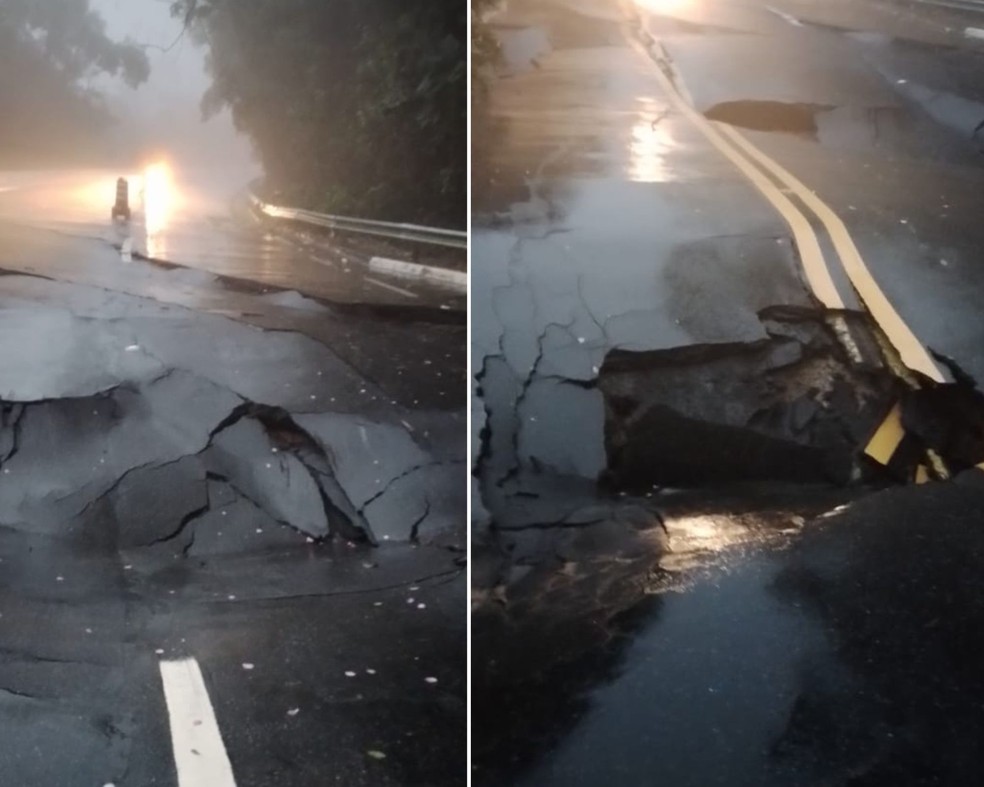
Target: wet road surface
x,y
842,652
658,312
255,478
187,218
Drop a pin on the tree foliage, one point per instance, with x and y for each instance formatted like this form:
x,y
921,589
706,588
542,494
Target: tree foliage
x,y
50,51
354,106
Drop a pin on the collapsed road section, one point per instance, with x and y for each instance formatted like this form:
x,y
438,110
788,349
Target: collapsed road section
x,y
259,480
696,372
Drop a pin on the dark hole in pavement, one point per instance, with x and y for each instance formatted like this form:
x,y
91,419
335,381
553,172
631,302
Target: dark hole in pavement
x,y
792,407
792,118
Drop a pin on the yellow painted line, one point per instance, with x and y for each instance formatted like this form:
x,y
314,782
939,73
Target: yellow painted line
x,y
913,354
910,349
922,474
814,266
887,437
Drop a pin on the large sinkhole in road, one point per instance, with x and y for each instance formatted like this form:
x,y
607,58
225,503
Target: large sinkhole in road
x,y
732,469
794,408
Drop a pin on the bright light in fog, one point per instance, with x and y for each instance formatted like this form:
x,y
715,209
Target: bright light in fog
x,y
664,6
158,196
90,201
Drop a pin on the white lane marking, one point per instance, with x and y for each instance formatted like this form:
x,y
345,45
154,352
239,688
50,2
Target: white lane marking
x,y
392,287
974,32
784,16
199,754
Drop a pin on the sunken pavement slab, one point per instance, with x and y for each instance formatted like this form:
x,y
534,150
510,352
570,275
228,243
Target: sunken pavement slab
x,y
188,470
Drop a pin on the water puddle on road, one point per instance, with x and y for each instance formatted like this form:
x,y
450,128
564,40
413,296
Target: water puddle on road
x,y
651,145
702,693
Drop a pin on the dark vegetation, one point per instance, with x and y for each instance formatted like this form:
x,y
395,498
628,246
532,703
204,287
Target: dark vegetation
x,y
355,107
50,52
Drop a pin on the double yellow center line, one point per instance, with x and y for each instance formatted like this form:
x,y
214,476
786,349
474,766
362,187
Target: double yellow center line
x,y
768,176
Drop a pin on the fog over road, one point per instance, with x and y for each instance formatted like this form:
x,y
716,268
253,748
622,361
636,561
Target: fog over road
x,y
193,218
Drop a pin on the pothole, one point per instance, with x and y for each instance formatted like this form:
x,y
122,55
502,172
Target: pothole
x,y
791,408
791,118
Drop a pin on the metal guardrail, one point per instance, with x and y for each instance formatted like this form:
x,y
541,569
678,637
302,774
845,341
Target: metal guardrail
x,y
407,232
961,5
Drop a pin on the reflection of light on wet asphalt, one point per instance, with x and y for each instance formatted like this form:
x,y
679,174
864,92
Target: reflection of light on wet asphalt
x,y
706,533
664,6
650,145
695,539
158,194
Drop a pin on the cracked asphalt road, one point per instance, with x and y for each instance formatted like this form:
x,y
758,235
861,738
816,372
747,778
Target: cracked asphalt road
x,y
662,403
263,480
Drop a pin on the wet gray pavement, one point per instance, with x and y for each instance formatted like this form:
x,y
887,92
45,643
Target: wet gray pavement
x,y
257,477
890,112
667,428
194,218
843,653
